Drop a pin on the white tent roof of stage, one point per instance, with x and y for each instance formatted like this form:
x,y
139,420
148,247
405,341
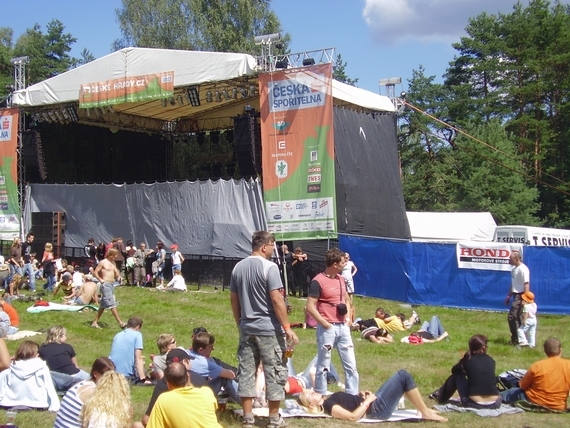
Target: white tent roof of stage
x,y
210,70
451,227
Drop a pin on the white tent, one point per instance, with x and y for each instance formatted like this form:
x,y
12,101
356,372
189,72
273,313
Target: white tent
x,y
211,71
451,227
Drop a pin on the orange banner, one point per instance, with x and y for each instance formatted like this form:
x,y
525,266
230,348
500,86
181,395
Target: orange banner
x,y
9,204
127,89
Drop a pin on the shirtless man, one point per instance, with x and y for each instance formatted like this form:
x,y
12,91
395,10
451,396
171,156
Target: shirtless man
x,y
84,295
107,273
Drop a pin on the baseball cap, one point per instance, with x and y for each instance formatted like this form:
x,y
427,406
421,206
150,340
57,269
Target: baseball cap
x,y
199,330
176,355
66,275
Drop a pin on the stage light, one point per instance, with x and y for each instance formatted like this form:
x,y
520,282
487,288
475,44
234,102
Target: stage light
x,y
243,92
234,93
267,39
215,137
171,101
225,94
46,118
180,100
163,102
201,138
73,113
58,115
252,89
308,61
209,96
218,96
65,114
111,109
282,63
193,96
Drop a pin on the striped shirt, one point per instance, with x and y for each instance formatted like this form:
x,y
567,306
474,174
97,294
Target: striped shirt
x,y
71,405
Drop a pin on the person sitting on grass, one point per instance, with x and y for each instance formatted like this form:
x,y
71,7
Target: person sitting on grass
x,y
165,343
60,358
177,283
202,347
110,405
377,335
175,355
126,352
78,394
12,314
65,285
27,382
381,405
15,283
547,382
86,294
183,405
473,377
430,332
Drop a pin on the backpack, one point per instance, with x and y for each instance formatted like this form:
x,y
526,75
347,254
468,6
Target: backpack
x,y
510,379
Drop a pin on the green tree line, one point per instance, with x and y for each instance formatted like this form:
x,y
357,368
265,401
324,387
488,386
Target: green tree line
x,y
507,89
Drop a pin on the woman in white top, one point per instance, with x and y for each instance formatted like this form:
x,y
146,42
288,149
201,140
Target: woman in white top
x,y
177,258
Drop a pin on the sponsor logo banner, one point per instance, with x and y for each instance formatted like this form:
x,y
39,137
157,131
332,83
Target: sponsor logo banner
x,y
127,90
485,255
298,152
9,206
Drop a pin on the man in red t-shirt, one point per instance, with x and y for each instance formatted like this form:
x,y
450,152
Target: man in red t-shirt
x,y
328,303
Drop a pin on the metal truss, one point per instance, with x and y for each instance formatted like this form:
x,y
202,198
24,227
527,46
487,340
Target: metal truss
x,y
274,61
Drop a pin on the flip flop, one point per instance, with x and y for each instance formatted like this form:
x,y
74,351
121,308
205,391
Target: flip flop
x,y
96,326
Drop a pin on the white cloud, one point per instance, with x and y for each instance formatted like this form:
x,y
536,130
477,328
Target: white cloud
x,y
392,21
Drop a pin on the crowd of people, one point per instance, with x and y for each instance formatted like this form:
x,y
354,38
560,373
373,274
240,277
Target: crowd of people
x,y
189,382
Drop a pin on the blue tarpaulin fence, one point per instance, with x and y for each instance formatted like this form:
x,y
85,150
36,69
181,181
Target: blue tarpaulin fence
x,y
427,274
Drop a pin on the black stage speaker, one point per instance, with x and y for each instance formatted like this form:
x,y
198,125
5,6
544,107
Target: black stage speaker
x,y
247,142
49,227
33,157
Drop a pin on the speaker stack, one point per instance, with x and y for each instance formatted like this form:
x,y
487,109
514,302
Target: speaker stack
x,y
48,227
247,142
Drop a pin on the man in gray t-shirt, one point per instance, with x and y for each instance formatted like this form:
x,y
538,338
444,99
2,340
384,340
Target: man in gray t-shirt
x,y
261,315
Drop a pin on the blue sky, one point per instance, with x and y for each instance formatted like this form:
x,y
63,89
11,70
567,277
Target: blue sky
x,y
377,38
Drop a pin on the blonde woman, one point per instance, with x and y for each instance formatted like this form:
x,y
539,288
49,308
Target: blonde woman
x,y
49,267
60,358
110,406
380,406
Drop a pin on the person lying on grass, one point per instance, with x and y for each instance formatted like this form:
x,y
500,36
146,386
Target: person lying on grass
x,y
381,405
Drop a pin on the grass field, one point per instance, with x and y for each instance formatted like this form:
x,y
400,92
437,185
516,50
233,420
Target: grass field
x,y
179,313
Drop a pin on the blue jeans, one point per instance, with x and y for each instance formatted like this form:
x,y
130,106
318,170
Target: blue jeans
x,y
514,394
63,381
176,267
50,282
230,387
389,394
338,336
433,327
29,269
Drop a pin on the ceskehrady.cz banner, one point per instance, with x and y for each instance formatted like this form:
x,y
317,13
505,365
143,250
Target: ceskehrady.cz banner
x,y
9,206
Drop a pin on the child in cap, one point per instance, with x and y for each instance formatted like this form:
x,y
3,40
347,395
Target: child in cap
x,y
527,330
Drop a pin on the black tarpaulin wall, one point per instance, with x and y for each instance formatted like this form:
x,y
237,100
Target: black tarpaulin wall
x,y
369,198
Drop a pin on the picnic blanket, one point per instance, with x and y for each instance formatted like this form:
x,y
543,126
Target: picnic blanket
x,y
398,415
485,413
59,307
21,334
